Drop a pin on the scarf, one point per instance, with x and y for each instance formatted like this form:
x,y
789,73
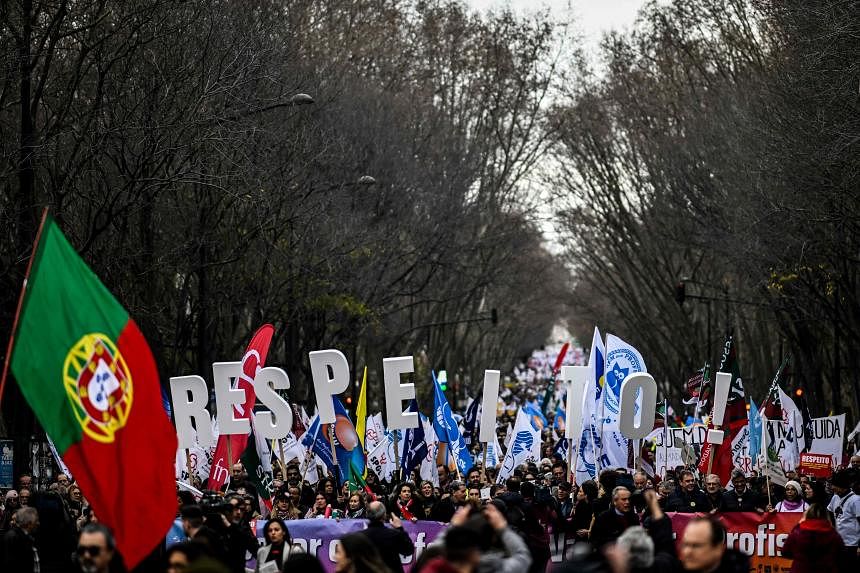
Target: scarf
x,y
405,512
793,506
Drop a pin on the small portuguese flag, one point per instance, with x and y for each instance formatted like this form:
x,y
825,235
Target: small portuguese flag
x,y
89,376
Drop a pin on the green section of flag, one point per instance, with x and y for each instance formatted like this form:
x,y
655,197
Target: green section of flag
x,y
64,301
257,475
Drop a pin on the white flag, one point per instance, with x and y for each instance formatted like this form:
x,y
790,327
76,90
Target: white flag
x,y
429,470
525,447
590,443
622,360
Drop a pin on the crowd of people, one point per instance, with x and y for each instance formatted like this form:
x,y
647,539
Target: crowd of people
x,y
619,523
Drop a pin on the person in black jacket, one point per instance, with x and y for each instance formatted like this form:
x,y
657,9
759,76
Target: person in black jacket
x,y
741,498
390,542
714,494
689,498
611,523
19,551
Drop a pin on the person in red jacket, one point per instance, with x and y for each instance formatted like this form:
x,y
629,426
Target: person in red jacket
x,y
814,544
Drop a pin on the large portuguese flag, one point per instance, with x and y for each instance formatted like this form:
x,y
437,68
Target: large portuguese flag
x,y
88,374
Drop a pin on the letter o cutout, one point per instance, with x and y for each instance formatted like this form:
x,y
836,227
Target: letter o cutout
x,y
626,422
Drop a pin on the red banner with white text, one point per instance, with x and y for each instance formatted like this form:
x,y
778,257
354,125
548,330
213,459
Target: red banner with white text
x,y
761,536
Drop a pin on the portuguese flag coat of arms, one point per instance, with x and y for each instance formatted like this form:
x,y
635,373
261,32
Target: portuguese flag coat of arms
x,y
88,374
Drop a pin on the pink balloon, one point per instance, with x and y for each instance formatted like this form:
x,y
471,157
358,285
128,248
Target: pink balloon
x,y
345,433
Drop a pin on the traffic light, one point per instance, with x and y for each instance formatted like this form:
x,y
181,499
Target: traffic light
x,y
442,378
798,392
680,292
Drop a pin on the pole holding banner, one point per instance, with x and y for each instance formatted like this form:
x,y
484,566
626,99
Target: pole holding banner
x,y
489,400
576,380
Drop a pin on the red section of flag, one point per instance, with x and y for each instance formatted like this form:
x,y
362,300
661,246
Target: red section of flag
x,y
560,359
130,482
254,360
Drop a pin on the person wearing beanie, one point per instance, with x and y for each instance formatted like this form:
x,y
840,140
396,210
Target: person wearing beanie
x,y
793,502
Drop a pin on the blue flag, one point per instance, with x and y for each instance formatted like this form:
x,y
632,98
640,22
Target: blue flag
x,y
414,445
346,455
560,450
755,431
447,430
536,416
315,440
470,421
560,419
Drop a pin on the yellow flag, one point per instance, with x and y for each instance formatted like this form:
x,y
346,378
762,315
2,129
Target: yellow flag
x,y
361,410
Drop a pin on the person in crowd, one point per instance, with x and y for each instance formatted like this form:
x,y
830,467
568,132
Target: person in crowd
x,y
538,514
19,544
845,509
564,501
714,500
792,501
664,491
403,504
198,531
741,497
559,472
814,492
501,549
641,480
427,501
703,549
444,510
295,493
474,493
582,512
392,542
356,506
238,537
813,544
607,480
461,553
283,508
854,462
278,546
10,506
96,552
689,498
319,509
25,480
74,501
24,496
326,486
638,550
375,485
180,556
612,522
356,554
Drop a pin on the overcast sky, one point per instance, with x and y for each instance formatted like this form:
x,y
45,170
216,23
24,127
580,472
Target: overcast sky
x,y
591,18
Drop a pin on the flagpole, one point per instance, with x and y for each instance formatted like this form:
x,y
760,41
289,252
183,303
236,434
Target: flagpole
x,y
21,303
281,458
188,465
333,453
229,461
665,436
396,454
484,464
308,451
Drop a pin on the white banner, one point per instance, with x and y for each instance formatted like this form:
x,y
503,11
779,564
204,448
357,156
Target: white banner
x,y
828,436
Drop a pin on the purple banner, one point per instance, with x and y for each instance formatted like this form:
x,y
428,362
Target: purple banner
x,y
319,537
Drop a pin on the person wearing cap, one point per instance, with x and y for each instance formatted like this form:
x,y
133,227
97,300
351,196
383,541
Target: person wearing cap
x,y
793,502
845,509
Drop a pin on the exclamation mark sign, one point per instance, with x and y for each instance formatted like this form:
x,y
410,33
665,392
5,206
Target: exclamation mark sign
x,y
722,385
